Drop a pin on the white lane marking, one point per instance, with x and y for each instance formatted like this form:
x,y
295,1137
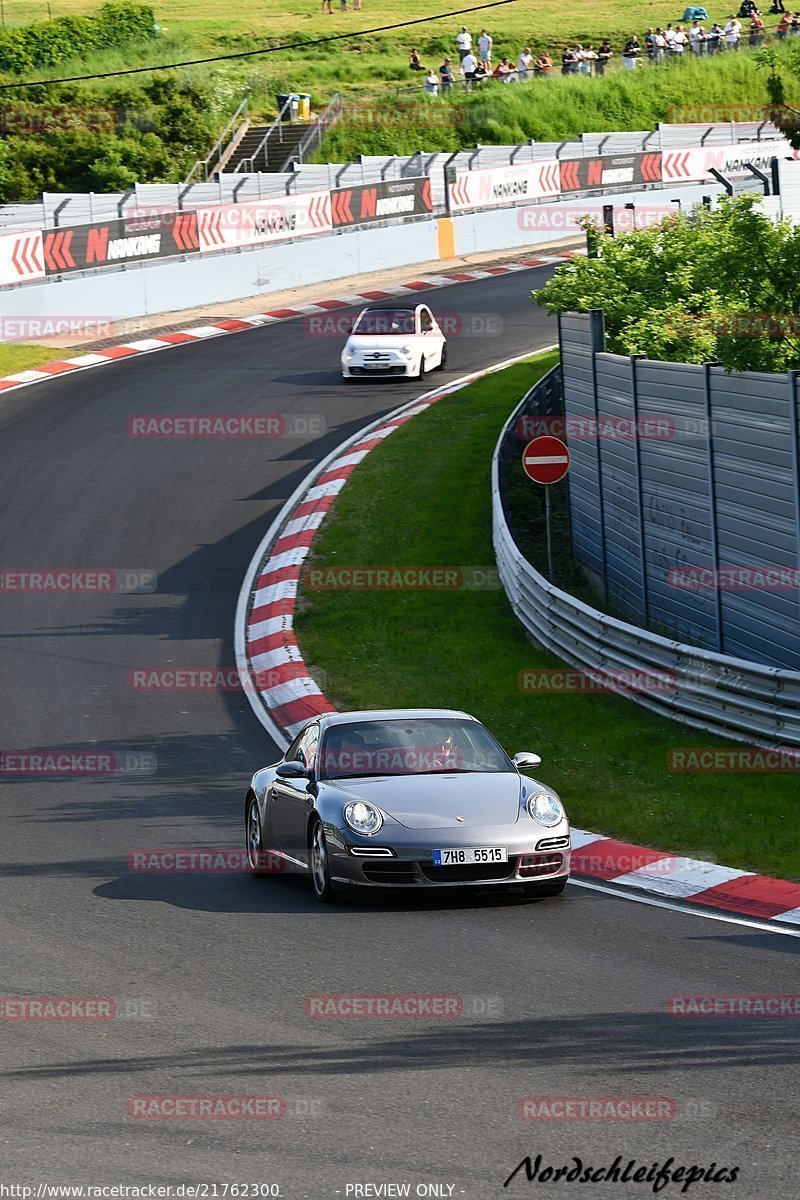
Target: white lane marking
x,y
689,910
545,460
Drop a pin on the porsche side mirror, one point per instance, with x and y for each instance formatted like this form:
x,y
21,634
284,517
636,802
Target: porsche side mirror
x,y
526,759
292,770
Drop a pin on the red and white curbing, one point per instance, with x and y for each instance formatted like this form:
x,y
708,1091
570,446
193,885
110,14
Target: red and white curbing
x,y
164,341
265,642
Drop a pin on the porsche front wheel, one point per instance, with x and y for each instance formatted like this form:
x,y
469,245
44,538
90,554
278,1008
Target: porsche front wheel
x,y
320,868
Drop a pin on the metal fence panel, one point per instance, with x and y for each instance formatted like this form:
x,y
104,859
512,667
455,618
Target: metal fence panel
x,y
725,694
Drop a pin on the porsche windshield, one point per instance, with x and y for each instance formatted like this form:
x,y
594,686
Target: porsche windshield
x,y
396,321
409,747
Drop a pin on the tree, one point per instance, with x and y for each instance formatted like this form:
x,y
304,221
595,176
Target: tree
x,y
722,284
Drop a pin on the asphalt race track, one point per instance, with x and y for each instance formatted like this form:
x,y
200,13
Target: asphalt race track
x,y
563,998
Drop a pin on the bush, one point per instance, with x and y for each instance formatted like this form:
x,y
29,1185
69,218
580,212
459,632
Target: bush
x,y
107,139
48,43
719,285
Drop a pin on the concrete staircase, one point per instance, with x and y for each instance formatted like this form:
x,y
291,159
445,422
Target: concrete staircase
x,y
275,154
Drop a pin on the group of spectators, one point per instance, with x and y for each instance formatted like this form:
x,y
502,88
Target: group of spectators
x,y
475,59
672,42
475,64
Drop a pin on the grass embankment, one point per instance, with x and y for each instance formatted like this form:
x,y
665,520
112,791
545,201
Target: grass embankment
x,y
727,87
410,503
20,357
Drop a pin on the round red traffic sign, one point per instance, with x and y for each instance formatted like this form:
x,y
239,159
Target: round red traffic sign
x,y
545,459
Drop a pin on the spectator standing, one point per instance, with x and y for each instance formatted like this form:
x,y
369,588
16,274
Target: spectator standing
x,y
342,5
733,32
503,71
588,61
432,83
715,38
784,25
697,39
757,30
414,63
631,52
464,42
569,61
669,37
485,45
326,7
543,65
603,55
680,42
525,64
660,45
468,67
650,44
446,75
795,24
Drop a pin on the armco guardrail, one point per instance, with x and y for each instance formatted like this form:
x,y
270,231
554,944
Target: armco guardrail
x,y
727,696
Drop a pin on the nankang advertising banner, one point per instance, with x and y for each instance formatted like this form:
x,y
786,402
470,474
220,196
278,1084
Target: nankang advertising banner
x,y
126,239
695,162
222,226
609,170
381,201
491,187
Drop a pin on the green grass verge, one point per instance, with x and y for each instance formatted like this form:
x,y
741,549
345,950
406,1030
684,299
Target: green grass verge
x,y
20,357
423,498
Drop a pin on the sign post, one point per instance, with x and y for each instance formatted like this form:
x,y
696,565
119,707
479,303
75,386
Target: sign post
x,y
545,460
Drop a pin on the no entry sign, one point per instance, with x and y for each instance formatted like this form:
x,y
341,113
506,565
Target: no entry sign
x,y
545,459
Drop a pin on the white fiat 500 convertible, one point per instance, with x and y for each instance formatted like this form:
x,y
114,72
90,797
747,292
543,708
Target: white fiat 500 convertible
x,y
394,341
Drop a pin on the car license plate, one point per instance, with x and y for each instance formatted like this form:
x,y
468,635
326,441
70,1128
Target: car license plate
x,y
474,854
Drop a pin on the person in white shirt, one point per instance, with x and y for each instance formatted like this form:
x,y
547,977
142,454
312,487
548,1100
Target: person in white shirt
x,y
588,59
669,38
468,67
697,38
680,41
733,31
432,83
485,43
660,45
464,41
525,64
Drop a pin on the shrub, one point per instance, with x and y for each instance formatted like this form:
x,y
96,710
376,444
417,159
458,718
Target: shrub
x,y
48,43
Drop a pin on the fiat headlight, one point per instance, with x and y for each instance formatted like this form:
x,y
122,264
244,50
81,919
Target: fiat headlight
x,y
363,818
545,809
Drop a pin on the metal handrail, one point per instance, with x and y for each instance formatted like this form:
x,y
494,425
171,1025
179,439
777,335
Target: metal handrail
x,y
321,125
202,164
263,145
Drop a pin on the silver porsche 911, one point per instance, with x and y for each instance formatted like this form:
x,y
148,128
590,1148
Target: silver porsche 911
x,y
406,798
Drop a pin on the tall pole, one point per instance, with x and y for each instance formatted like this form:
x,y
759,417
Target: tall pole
x,y
548,517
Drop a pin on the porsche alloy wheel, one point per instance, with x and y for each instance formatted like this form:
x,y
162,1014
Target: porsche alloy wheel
x,y
254,838
320,870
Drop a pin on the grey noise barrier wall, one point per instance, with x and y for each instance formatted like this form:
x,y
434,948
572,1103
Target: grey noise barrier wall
x,y
640,507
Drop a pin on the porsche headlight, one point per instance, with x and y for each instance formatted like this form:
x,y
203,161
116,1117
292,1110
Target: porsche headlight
x,y
545,809
363,818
